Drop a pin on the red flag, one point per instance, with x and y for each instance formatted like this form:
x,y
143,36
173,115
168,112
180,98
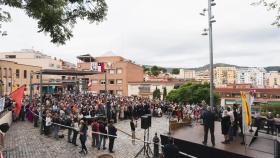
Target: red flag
x,y
17,96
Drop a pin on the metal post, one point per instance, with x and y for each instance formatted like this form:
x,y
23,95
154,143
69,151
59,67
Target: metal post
x,y
211,54
105,82
30,85
41,90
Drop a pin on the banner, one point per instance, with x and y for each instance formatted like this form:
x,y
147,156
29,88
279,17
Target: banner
x,y
247,101
2,104
94,66
17,96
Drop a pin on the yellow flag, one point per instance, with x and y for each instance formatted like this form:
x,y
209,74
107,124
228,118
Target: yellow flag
x,y
246,109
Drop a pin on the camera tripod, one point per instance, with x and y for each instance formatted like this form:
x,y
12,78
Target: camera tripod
x,y
146,149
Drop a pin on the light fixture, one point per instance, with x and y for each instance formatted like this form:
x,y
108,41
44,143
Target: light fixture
x,y
213,21
4,33
213,4
202,14
204,34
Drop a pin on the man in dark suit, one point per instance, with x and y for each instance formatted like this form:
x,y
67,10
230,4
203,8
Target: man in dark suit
x,y
112,131
208,121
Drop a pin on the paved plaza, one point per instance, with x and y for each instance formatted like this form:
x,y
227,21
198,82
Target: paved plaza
x,y
25,141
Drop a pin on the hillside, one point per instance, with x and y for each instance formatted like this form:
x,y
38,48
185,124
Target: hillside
x,y
269,68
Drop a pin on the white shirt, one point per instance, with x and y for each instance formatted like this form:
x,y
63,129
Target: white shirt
x,y
231,116
48,121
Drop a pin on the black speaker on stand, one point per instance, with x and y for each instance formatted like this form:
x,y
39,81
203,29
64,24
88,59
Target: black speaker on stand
x,y
146,122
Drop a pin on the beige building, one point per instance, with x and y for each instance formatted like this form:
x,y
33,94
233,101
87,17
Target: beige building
x,y
147,88
224,76
119,71
35,58
13,75
202,76
273,79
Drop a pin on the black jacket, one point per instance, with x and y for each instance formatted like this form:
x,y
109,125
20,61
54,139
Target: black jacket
x,y
208,119
112,130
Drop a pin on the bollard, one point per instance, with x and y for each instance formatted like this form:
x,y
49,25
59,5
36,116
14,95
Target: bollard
x,y
156,146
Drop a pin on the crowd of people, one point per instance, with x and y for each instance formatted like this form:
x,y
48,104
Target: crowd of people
x,y
76,112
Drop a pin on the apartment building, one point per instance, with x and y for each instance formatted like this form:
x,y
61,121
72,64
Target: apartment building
x,y
273,79
254,76
202,76
14,75
115,74
224,76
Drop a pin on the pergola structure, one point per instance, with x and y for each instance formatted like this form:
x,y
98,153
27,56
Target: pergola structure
x,y
75,73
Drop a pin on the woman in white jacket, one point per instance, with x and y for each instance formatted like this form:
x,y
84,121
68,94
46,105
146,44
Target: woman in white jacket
x,y
76,131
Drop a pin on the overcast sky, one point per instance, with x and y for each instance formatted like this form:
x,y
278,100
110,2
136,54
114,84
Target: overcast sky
x,y
161,32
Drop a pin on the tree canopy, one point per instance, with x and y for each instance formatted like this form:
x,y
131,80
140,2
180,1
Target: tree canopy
x,y
57,17
271,6
156,94
192,93
175,71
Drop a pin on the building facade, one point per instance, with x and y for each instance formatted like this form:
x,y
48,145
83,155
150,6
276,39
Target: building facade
x,y
118,73
273,79
253,76
224,76
14,75
202,75
146,89
231,94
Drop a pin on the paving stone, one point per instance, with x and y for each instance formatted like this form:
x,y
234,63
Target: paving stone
x,y
25,141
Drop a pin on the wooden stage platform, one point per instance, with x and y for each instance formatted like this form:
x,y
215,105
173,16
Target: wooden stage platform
x,y
190,139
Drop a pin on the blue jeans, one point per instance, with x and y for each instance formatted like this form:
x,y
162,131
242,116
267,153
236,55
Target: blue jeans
x,y
102,137
55,131
95,140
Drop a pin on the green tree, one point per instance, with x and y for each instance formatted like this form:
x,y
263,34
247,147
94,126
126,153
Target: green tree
x,y
163,70
271,6
192,93
57,17
175,71
156,94
155,71
164,93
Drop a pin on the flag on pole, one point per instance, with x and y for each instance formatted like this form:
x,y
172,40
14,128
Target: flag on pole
x,y
2,104
17,96
246,108
101,67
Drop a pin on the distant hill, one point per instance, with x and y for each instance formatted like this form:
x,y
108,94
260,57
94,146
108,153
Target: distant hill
x,y
269,68
272,68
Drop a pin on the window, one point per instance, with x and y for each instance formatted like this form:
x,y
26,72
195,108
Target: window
x,y
119,92
119,81
17,73
63,77
10,56
37,76
111,71
51,65
5,72
25,74
112,81
94,81
10,73
119,70
9,84
31,74
102,82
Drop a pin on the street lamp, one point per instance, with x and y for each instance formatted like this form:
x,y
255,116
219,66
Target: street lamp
x,y
209,32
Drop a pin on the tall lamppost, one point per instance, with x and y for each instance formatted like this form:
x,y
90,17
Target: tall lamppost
x,y
209,30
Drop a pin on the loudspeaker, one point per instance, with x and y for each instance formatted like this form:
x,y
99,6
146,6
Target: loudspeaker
x,y
144,122
149,119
